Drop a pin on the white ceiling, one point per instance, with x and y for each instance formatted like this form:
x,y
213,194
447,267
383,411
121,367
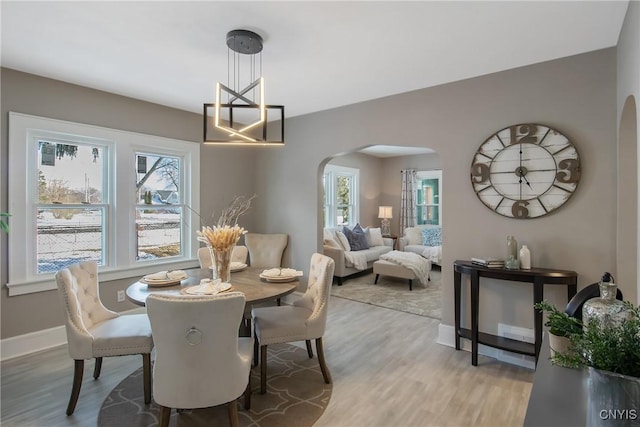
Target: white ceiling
x,y
317,54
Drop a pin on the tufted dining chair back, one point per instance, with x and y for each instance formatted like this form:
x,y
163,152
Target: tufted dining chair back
x,y
200,361
304,320
316,297
239,254
265,250
93,331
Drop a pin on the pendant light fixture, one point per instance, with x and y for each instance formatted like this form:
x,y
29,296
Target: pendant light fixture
x,y
240,115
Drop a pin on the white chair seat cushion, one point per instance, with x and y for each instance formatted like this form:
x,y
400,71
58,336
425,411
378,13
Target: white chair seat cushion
x,y
128,334
281,324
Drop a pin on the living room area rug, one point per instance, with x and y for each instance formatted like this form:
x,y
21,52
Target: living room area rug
x,y
394,293
296,397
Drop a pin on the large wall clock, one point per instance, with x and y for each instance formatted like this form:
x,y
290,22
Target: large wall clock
x,y
525,171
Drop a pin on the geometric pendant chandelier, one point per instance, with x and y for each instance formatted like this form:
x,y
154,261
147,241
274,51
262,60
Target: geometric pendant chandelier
x,y
240,115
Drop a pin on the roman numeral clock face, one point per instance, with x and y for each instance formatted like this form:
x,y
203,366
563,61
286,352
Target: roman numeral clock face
x,y
525,171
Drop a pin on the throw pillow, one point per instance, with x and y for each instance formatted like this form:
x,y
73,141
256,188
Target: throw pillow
x,y
357,240
432,236
344,242
413,235
329,239
375,237
361,236
333,244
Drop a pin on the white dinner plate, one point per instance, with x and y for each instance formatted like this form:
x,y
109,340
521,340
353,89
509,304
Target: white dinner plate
x,y
278,279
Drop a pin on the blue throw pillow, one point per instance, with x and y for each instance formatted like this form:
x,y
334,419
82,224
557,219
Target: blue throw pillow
x,y
432,236
356,237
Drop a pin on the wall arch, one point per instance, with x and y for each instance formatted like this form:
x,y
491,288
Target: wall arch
x,y
627,205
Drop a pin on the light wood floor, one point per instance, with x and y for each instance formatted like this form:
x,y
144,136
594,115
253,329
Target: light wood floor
x,y
386,367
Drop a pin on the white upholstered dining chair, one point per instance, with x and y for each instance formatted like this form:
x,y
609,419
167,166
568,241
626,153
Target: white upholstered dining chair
x,y
239,254
93,331
200,361
304,320
265,250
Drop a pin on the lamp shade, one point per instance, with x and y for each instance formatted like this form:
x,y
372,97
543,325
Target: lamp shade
x,y
385,212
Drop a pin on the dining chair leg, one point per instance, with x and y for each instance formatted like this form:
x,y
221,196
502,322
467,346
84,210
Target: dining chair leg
x,y
78,371
233,413
309,349
263,369
97,368
165,416
247,394
146,376
256,346
323,365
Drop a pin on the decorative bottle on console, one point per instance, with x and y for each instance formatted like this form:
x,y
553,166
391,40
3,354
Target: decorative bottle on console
x,y
512,253
607,309
525,258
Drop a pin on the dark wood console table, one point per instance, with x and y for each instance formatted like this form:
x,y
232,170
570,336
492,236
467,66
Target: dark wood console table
x,y
536,276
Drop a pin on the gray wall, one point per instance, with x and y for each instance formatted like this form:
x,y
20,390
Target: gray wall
x,y
224,171
576,95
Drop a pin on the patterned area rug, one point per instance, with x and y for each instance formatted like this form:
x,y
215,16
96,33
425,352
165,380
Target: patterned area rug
x,y
296,397
394,293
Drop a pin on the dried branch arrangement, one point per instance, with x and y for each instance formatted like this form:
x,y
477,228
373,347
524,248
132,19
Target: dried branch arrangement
x,y
227,232
231,213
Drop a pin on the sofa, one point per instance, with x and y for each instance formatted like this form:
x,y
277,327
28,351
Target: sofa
x,y
349,262
424,240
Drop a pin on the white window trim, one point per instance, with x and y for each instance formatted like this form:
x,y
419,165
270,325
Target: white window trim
x,y
330,172
123,145
432,174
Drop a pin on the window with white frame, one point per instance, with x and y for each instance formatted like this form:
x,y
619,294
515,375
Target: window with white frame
x,y
122,199
340,195
428,197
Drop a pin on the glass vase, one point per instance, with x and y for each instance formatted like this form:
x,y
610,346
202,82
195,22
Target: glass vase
x,y
609,311
221,263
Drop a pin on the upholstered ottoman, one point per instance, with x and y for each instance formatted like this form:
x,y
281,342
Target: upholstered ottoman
x,y
387,268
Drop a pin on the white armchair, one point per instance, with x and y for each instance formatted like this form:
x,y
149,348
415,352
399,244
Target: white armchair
x,y
93,331
304,320
200,361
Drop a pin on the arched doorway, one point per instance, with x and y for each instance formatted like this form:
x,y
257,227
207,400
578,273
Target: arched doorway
x,y
627,231
377,169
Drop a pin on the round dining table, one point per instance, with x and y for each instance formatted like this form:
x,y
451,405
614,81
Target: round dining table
x,y
255,289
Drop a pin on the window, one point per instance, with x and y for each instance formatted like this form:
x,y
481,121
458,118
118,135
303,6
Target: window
x,y
91,193
70,208
428,200
159,213
340,196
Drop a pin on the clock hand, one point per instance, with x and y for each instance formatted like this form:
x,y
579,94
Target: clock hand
x,y
521,173
523,176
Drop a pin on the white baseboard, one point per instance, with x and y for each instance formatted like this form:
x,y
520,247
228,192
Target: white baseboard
x,y
32,342
447,336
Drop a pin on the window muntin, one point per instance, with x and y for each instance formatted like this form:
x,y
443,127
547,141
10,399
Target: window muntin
x,y
428,197
340,196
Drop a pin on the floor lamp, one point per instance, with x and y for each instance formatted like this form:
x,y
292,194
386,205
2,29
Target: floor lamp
x,y
385,213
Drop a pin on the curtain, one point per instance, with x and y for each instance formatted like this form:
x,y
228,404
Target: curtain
x,y
408,200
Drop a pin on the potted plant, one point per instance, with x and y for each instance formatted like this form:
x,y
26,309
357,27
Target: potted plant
x,y
605,346
561,328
